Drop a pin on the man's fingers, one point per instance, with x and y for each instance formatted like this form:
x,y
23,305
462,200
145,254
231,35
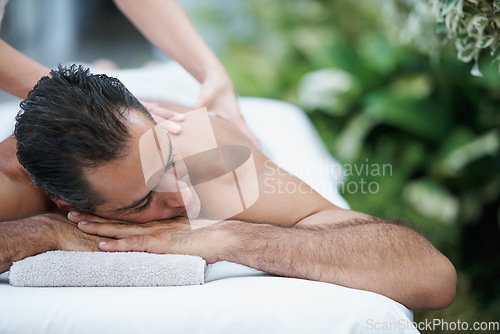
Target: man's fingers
x,y
76,217
111,230
135,243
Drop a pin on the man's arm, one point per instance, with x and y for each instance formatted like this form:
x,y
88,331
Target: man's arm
x,y
362,253
41,233
367,254
18,73
24,237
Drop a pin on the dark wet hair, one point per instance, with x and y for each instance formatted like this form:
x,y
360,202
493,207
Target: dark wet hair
x,y
71,120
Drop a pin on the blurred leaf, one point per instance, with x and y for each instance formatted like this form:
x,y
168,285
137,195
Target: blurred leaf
x,y
485,145
432,200
378,54
470,206
492,189
422,118
330,90
496,6
475,69
466,52
417,86
477,22
350,140
316,44
487,40
457,138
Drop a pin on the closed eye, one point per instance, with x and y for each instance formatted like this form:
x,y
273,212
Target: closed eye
x,y
150,195
145,205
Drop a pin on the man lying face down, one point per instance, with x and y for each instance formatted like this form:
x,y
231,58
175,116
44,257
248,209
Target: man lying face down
x,y
100,156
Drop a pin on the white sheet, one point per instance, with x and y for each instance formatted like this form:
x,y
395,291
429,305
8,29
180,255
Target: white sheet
x,y
249,303
230,305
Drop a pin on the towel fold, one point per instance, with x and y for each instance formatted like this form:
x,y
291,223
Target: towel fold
x,y
77,269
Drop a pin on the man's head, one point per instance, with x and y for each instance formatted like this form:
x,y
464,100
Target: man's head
x,y
77,137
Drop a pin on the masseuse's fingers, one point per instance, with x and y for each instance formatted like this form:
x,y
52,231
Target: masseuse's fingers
x,y
170,127
115,230
166,117
163,112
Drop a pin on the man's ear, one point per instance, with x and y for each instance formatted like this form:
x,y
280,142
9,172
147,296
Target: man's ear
x,y
63,206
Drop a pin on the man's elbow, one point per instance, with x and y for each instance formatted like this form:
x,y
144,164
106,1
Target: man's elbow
x,y
441,286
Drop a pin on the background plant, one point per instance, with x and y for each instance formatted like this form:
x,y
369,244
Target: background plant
x,y
474,26
381,87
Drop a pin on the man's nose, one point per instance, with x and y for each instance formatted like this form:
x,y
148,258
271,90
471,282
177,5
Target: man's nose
x,y
172,199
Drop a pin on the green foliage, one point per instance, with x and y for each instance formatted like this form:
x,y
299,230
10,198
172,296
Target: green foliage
x,y
382,90
474,25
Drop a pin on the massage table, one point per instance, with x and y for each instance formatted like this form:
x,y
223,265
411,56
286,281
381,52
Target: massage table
x,y
234,298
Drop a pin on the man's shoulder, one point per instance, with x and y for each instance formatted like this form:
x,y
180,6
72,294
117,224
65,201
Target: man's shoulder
x,y
18,196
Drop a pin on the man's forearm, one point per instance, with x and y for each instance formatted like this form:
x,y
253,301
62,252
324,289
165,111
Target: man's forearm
x,y
361,253
24,237
41,233
388,259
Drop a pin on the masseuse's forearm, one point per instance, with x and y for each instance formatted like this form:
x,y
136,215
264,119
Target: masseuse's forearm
x,y
18,73
166,25
388,259
24,237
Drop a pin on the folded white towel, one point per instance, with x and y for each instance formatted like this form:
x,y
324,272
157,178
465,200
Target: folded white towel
x,y
62,268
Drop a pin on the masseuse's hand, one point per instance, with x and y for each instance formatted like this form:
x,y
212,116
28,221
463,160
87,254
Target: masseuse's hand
x,y
167,117
172,236
218,95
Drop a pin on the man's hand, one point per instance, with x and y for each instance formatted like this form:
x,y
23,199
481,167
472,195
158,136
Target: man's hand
x,y
37,234
68,237
171,236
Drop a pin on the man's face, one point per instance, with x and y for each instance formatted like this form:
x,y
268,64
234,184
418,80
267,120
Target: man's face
x,y
130,194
